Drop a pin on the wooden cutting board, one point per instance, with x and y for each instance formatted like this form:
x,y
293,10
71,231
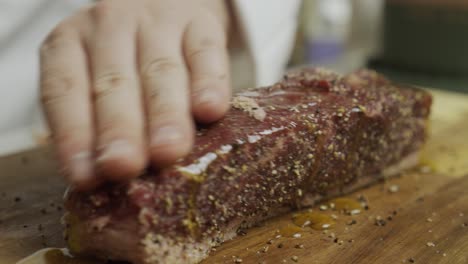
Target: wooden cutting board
x,y
419,217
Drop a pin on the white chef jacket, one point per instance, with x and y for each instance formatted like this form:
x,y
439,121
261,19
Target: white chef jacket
x,y
267,27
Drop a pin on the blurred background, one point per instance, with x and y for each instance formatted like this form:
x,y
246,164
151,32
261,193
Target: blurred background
x,y
422,42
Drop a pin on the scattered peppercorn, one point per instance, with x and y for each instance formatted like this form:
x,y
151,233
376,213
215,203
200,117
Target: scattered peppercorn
x,y
380,222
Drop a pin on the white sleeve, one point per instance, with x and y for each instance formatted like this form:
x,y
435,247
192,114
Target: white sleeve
x,y
268,28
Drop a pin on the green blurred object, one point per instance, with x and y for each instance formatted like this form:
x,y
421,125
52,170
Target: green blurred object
x,y
425,44
454,83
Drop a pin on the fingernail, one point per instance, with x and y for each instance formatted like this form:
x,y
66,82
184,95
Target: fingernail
x,y
166,136
209,97
115,150
80,166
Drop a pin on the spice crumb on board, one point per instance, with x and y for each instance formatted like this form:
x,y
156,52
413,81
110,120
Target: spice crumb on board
x,y
354,212
429,220
237,260
393,188
264,249
17,199
425,169
297,235
295,258
430,244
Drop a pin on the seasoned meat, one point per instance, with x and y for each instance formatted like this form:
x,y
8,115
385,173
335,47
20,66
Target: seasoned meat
x,y
311,136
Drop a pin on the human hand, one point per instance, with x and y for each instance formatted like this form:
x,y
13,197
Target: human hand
x,y
122,82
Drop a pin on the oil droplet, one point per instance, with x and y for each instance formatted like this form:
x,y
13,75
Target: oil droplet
x,y
427,163
315,220
290,230
55,256
346,204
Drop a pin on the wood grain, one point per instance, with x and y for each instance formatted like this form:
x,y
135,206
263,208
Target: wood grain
x,y
406,236
429,225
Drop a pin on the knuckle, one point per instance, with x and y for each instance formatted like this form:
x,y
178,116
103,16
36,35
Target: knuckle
x,y
158,107
208,81
109,83
109,13
58,37
55,86
68,136
109,128
162,108
117,125
206,46
198,53
160,66
203,78
102,9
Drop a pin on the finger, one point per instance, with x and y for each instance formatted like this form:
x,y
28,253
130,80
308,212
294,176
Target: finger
x,y
206,55
120,137
64,86
164,77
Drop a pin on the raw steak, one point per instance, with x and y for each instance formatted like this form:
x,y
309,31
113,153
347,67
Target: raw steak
x,y
311,136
